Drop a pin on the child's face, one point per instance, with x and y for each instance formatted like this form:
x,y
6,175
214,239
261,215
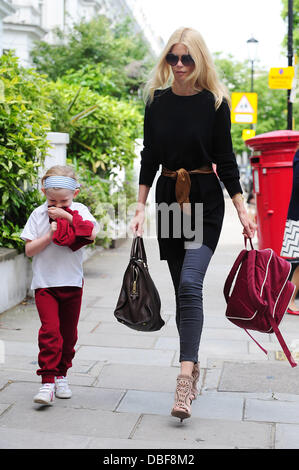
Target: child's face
x,y
59,197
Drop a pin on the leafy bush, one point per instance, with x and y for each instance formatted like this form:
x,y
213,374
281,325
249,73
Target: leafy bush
x,y
97,77
102,141
95,98
24,123
88,44
102,129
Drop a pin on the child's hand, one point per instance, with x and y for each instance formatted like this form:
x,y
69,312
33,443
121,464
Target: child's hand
x,y
53,226
57,213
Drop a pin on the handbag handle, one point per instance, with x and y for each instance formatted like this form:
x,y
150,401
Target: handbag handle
x,y
138,250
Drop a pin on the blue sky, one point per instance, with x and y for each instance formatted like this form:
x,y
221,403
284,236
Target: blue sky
x,y
225,25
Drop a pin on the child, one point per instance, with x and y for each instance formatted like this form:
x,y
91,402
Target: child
x,y
57,277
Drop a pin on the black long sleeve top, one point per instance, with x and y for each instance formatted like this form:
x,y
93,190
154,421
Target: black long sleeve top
x,y
188,132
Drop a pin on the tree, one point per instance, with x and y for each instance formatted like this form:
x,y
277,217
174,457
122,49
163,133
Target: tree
x,y
95,47
84,43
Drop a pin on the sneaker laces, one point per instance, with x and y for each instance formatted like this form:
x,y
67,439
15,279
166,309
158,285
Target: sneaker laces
x,y
46,387
62,382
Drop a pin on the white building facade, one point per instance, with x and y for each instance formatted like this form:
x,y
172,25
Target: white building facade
x,y
6,9
22,28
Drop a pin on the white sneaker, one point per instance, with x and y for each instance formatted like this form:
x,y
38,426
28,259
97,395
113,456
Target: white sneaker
x,y
62,389
45,396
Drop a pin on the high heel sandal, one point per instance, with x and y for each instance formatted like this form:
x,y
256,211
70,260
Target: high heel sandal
x,y
195,377
183,400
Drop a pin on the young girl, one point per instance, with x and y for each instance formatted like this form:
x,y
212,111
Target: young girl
x,y
57,276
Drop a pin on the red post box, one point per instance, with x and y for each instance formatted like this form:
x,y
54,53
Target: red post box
x,y
272,171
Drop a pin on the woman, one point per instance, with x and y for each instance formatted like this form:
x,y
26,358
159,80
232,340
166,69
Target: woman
x,y
186,129
290,248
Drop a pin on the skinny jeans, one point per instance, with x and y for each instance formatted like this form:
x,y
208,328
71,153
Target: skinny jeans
x,y
187,274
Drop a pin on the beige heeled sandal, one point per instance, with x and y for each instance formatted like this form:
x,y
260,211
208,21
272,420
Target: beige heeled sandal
x,y
195,377
183,400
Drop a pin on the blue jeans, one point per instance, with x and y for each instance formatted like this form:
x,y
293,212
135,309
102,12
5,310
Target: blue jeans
x,y
187,275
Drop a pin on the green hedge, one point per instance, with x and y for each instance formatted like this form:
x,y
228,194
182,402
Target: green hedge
x,y
102,129
24,123
102,133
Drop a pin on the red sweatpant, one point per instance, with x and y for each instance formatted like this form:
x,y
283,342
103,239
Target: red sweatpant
x,y
59,310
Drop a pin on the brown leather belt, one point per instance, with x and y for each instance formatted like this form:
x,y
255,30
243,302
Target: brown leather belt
x,y
183,182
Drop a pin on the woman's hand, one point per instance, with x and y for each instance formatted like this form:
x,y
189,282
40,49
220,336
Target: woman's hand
x,y
138,220
249,227
137,223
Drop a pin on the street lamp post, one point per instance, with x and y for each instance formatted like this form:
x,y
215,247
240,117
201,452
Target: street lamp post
x,y
252,49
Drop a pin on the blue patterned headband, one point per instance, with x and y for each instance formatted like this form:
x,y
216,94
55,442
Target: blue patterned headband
x,y
61,182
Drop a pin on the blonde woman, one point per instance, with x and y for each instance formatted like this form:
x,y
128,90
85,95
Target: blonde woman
x,y
186,130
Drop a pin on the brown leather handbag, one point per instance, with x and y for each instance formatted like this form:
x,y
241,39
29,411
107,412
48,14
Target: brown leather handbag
x,y
139,303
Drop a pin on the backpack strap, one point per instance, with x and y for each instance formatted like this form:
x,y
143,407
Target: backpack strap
x,y
234,269
282,342
232,273
250,241
261,347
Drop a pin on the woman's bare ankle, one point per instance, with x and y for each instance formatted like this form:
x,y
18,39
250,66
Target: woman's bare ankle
x,y
187,368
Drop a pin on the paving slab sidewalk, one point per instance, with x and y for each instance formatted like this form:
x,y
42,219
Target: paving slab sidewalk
x,y
123,381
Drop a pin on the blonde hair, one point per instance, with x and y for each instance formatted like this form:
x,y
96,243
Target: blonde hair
x,y
204,75
59,170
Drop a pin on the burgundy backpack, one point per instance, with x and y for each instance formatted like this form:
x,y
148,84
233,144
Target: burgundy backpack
x,y
261,293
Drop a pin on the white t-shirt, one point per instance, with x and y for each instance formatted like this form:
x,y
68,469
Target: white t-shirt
x,y
55,266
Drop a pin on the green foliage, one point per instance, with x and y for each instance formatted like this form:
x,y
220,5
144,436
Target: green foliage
x,y
90,90
92,48
106,200
102,133
83,44
97,71
97,77
105,80
24,123
102,129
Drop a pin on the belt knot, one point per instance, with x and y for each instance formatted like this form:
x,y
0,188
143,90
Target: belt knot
x,y
183,183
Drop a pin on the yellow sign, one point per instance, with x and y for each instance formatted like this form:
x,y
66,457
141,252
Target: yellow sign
x,y
248,133
244,108
280,355
281,78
